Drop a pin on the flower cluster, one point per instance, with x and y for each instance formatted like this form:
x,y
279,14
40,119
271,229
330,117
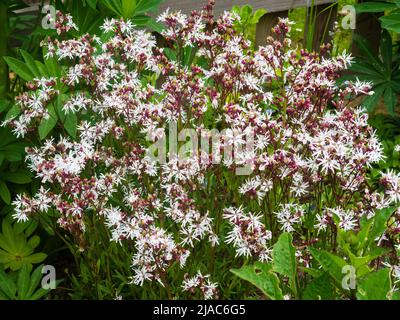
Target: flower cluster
x,y
202,283
310,158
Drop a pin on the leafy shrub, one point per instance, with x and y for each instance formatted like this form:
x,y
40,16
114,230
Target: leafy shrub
x,y
305,198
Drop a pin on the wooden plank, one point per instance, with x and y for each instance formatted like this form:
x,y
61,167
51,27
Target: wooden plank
x,y
326,16
266,23
187,6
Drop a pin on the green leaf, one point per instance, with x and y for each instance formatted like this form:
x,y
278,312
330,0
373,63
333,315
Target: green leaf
x,y
374,286
4,104
367,51
19,68
7,285
374,6
128,8
36,277
70,124
23,282
371,102
330,263
35,258
261,275
379,225
92,3
13,112
391,22
30,63
319,289
144,6
39,294
390,99
19,177
258,15
4,192
114,6
284,259
386,50
141,20
34,242
46,125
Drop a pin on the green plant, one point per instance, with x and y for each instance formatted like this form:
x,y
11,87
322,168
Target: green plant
x,y
382,71
17,245
22,285
248,20
390,21
323,278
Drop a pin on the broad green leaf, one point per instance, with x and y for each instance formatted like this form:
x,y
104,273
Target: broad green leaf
x,y
46,125
319,289
374,286
30,63
284,259
261,275
71,124
19,68
13,112
4,192
258,15
379,225
20,177
391,22
374,6
330,263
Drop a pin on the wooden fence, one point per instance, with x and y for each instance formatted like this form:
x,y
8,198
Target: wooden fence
x,y
367,24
